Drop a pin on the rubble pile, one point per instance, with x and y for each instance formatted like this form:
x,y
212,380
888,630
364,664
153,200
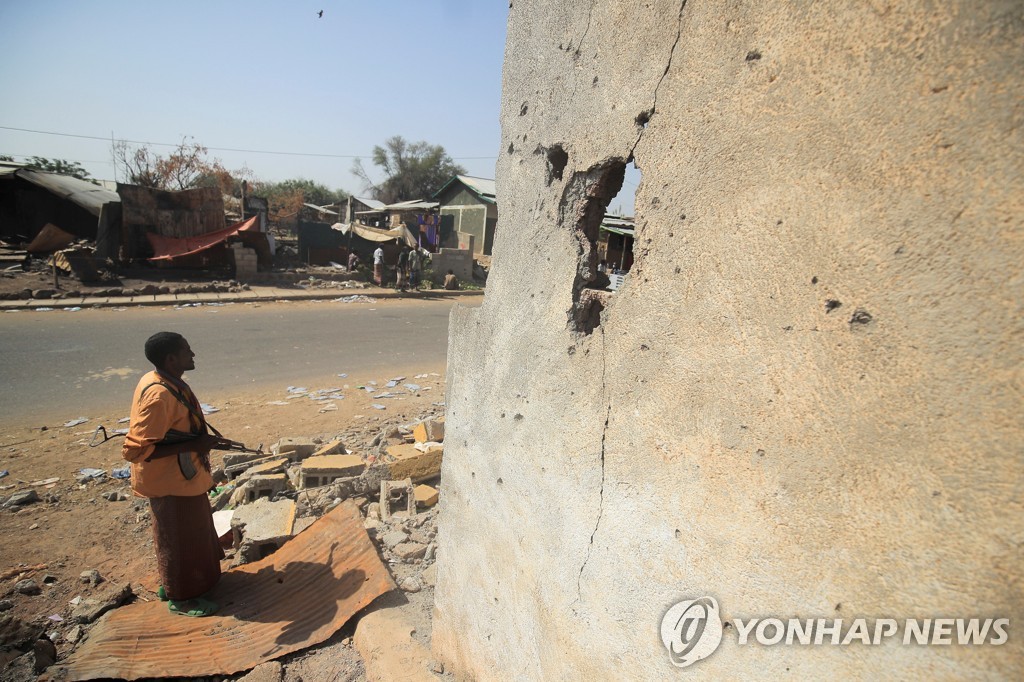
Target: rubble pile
x,y
260,502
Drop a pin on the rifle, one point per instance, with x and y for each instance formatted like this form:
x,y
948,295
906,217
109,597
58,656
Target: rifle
x,y
174,436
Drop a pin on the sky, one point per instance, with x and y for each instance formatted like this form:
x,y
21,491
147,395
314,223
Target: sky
x,y
259,76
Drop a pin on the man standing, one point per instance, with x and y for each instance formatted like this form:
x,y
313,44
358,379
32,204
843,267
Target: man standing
x,y
415,266
378,266
402,268
168,445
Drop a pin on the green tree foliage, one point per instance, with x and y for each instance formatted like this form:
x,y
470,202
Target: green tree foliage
x,y
412,170
59,166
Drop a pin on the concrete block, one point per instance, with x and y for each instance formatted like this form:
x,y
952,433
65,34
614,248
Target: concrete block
x,y
323,469
260,528
389,651
335,447
296,449
409,551
426,496
429,431
396,497
408,462
263,487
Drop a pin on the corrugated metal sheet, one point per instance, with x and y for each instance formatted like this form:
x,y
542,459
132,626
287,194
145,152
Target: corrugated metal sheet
x,y
81,192
295,598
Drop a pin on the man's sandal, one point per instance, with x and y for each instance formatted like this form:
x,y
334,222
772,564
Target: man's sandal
x,y
195,608
161,593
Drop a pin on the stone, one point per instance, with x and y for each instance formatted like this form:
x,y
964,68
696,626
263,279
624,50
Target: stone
x,y
6,605
22,498
409,551
44,293
429,431
395,537
405,461
91,576
426,496
371,524
384,640
429,575
115,496
271,671
74,634
45,654
260,528
420,536
411,584
27,586
91,608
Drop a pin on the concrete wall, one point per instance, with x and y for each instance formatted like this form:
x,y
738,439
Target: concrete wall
x,y
721,429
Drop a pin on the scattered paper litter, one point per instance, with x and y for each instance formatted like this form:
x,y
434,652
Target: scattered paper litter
x,y
297,389
124,420
343,375
378,406
369,389
421,376
279,402
76,422
46,481
413,387
122,472
397,379
329,407
208,409
384,395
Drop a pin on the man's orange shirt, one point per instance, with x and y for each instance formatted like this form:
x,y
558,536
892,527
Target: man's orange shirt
x,y
153,415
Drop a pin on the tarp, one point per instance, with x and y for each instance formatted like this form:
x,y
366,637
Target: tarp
x,y
167,248
297,597
375,234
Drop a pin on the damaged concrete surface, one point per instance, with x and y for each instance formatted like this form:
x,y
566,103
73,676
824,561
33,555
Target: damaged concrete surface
x,y
718,427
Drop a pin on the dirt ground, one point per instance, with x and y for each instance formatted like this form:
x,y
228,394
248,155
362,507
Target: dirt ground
x,y
74,529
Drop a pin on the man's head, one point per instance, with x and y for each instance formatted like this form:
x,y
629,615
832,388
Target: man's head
x,y
170,352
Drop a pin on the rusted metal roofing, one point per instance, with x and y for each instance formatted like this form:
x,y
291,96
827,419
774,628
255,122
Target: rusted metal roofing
x,y
81,192
296,597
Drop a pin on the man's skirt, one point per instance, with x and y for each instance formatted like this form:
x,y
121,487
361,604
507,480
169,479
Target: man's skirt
x,y
378,273
188,552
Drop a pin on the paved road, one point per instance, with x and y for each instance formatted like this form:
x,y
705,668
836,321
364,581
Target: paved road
x,y
75,363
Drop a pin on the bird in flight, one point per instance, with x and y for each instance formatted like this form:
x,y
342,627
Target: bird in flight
x,y
320,14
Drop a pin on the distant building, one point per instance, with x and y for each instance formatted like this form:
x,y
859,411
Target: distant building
x,y
468,205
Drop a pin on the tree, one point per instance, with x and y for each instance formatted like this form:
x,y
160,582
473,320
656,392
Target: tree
x,y
286,197
412,171
183,168
59,166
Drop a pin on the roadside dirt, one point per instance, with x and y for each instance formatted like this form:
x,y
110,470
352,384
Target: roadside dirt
x,y
74,529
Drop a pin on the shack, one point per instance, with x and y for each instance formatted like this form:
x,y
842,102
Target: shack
x,y
468,205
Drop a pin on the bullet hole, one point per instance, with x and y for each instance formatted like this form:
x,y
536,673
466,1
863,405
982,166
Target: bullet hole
x,y
495,600
572,350
753,56
682,216
511,148
814,280
655,201
594,82
778,222
941,88
643,346
727,624
523,109
831,304
644,117
557,160
518,417
472,474
678,269
502,415
839,606
788,328
860,316
899,251
760,453
679,534
501,482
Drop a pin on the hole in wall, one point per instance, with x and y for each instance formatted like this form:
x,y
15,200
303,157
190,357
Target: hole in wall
x,y
584,205
557,160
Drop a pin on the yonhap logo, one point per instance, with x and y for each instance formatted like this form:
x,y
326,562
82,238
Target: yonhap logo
x,y
691,630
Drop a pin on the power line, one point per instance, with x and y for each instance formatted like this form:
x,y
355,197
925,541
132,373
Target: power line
x,y
222,149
